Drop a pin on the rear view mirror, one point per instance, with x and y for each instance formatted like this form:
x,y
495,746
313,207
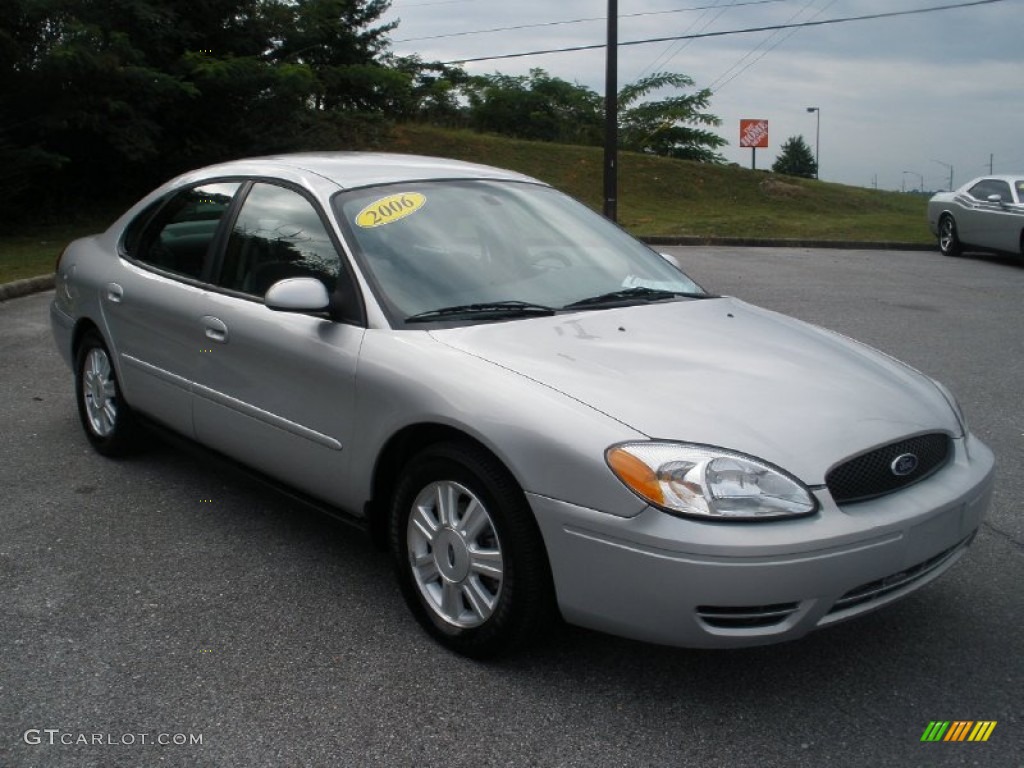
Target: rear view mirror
x,y
995,198
297,294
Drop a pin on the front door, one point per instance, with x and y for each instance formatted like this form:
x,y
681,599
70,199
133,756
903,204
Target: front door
x,y
275,389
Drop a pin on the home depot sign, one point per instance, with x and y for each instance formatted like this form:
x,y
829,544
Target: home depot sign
x,y
753,133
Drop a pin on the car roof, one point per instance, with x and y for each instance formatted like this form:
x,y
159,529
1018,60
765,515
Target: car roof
x,y
360,169
1011,177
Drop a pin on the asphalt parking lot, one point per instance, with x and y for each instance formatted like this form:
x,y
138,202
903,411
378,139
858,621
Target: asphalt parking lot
x,y
159,599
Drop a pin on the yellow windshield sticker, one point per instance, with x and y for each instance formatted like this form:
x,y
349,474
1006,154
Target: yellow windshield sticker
x,y
390,209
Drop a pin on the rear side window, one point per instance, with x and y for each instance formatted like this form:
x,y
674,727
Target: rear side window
x,y
179,238
277,234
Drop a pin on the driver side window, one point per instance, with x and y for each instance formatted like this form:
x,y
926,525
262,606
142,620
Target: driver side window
x,y
983,189
278,234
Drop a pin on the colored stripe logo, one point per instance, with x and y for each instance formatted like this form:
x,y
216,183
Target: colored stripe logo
x,y
958,730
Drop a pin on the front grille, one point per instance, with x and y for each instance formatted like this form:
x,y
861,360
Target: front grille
x,y
871,475
745,617
876,590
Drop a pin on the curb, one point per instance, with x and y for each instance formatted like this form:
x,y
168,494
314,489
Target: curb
x,y
45,282
25,287
848,245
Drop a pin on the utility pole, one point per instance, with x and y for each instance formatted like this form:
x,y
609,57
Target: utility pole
x,y
611,113
991,157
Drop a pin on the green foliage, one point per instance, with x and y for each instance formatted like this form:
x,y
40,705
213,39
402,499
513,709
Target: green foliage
x,y
102,100
97,98
796,159
537,106
659,196
547,108
435,90
671,127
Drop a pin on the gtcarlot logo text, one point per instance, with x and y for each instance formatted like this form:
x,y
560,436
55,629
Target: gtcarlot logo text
x,y
54,736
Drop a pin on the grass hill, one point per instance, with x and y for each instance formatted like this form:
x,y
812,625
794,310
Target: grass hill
x,y
657,196
662,196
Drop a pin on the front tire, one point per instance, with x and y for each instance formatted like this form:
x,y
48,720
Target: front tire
x,y
949,240
107,420
469,558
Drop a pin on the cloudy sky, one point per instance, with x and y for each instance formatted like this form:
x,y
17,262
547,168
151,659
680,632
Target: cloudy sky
x,y
901,99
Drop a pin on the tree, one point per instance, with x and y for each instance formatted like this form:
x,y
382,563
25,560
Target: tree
x,y
336,40
672,127
433,95
796,159
546,108
538,107
99,97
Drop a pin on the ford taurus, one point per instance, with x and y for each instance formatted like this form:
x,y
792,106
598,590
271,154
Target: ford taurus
x,y
541,416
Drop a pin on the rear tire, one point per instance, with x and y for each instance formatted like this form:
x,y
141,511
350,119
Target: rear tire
x,y
106,418
469,557
949,240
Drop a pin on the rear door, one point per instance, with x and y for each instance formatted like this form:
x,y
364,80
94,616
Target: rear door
x,y
151,309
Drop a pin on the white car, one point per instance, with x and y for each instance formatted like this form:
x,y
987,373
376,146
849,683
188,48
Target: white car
x,y
986,214
538,413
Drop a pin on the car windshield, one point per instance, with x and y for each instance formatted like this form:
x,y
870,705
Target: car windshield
x,y
456,250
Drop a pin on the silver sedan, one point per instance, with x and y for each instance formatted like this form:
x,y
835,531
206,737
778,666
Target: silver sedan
x,y
539,415
986,214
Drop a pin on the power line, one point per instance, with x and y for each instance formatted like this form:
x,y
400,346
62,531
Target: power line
x,y
773,41
778,37
668,54
538,25
700,35
434,2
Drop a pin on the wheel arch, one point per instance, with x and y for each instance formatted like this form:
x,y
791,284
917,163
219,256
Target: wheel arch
x,y
82,327
396,453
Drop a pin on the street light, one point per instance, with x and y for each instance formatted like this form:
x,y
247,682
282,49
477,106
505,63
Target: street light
x,y
817,140
913,173
950,172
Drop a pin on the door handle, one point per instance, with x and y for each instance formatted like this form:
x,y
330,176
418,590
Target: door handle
x,y
114,293
215,329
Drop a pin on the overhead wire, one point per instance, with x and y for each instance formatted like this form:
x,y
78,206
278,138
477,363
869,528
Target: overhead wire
x,y
778,36
668,54
542,24
725,33
433,2
772,41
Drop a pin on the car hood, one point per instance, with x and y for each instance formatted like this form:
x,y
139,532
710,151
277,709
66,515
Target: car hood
x,y
720,372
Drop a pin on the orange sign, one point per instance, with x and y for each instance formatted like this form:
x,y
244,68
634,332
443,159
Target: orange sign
x,y
753,133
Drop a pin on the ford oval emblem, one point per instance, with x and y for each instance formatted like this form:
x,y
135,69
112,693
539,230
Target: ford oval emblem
x,y
903,464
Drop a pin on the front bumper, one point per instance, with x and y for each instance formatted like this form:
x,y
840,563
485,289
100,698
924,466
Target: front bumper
x,y
682,582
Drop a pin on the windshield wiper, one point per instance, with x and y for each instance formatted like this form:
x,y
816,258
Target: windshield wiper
x,y
629,295
489,308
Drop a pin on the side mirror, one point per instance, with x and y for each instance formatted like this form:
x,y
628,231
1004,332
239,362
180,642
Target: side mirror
x,y
297,294
994,198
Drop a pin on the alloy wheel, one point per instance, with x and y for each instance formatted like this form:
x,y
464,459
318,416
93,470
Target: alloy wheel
x,y
455,554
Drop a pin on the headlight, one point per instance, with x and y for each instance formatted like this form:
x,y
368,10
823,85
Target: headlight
x,y
709,483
